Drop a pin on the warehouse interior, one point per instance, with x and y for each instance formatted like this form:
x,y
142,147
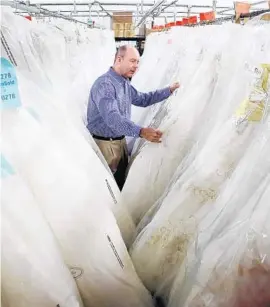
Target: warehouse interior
x,y
190,226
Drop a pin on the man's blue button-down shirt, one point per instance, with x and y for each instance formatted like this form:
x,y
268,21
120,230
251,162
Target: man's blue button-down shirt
x,y
109,105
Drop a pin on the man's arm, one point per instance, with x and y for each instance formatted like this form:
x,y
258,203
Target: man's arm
x,y
147,99
107,105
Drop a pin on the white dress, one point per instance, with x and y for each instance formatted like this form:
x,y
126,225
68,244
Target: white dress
x,y
77,206
33,271
76,195
53,59
228,263
191,113
161,246
55,119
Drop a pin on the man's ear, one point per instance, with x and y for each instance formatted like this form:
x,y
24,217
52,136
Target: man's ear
x,y
116,60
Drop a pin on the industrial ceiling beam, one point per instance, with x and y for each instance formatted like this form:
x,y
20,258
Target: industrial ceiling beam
x,y
104,16
86,11
95,14
135,11
37,10
226,10
156,9
128,3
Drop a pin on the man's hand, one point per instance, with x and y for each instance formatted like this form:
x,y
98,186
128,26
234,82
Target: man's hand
x,y
151,135
174,87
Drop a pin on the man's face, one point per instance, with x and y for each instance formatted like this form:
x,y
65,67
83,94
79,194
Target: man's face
x,y
129,63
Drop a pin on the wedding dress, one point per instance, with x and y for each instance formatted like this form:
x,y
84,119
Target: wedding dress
x,y
33,271
161,246
74,191
228,262
183,117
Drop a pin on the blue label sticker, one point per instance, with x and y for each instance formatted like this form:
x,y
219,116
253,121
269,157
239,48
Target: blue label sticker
x,y
6,168
10,97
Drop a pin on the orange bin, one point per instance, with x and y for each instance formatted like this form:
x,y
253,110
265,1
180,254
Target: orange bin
x,y
185,21
192,20
208,16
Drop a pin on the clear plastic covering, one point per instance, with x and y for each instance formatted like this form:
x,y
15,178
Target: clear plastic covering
x,y
33,272
74,191
215,76
42,107
228,263
222,139
61,63
173,226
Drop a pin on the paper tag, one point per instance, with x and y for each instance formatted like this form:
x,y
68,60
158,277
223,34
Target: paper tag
x,y
253,112
252,109
9,86
6,168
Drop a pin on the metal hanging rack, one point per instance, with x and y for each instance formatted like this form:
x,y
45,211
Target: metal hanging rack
x,y
151,11
229,18
35,9
227,12
158,9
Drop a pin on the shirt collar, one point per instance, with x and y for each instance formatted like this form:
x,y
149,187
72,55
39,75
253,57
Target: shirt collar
x,y
118,77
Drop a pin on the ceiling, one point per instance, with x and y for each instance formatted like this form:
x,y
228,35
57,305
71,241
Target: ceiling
x,y
167,10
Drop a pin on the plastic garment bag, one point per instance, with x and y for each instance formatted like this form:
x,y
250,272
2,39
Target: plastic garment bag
x,y
228,263
184,117
213,124
157,68
81,221
33,271
76,195
44,51
173,226
164,58
42,104
158,160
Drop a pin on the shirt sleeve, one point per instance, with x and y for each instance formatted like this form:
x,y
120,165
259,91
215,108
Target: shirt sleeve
x,y
105,99
147,99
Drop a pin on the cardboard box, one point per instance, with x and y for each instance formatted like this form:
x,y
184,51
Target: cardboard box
x,y
122,17
125,29
128,26
116,26
120,33
127,33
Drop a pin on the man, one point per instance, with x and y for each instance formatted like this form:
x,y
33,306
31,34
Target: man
x,y
109,110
